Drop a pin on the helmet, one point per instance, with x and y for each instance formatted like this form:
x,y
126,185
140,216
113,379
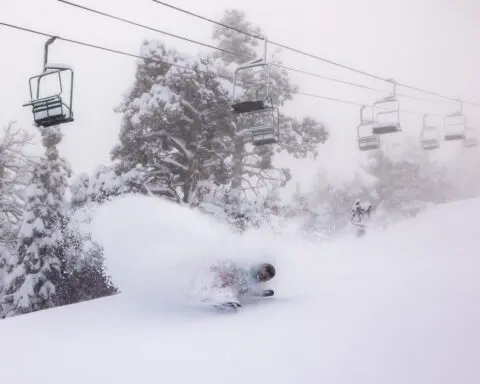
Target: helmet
x,y
265,272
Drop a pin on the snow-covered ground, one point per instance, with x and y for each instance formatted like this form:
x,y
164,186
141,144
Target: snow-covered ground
x,y
400,306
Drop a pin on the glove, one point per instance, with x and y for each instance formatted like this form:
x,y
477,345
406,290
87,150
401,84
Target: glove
x,y
265,293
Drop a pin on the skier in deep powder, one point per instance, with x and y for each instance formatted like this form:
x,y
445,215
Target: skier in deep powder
x,y
233,282
360,216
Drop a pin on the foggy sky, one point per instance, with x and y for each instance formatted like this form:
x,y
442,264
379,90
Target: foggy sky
x,y
430,44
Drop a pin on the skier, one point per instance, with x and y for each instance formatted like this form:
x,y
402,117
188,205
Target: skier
x,y
360,214
233,282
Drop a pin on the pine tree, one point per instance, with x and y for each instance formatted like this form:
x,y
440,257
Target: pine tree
x,y
15,166
4,257
229,40
407,182
180,135
176,125
34,276
79,189
102,186
85,273
301,138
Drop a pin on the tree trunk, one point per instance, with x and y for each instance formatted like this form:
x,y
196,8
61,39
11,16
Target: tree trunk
x,y
237,163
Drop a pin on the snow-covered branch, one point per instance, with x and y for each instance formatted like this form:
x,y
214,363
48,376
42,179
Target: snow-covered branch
x,y
15,166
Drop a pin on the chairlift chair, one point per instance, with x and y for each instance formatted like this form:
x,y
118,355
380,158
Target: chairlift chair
x,y
471,139
454,126
367,140
245,103
256,100
429,136
262,127
268,133
51,109
367,143
252,100
387,120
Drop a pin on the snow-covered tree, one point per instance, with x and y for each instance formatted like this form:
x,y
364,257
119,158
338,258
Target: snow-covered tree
x,y
245,214
34,276
180,135
301,138
102,186
246,45
176,124
408,182
4,258
85,273
79,190
15,166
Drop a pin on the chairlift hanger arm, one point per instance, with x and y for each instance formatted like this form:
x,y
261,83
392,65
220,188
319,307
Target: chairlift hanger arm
x,y
392,96
362,115
256,61
45,53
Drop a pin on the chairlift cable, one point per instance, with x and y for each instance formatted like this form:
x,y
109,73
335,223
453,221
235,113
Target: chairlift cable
x,y
209,45
152,29
333,79
104,48
374,76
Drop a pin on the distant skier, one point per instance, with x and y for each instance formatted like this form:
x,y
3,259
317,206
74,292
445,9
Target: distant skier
x,y
360,216
233,282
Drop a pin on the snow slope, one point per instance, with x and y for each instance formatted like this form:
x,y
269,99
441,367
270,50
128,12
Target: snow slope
x,y
399,306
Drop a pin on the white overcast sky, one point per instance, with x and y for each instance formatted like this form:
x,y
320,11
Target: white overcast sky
x,y
430,44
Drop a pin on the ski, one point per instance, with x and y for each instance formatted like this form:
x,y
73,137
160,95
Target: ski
x,y
228,306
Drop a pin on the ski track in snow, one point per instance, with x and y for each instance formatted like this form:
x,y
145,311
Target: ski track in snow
x,y
399,306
